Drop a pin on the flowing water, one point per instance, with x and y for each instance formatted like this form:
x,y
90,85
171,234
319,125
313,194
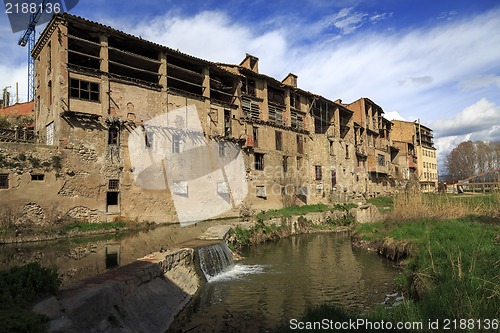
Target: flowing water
x,y
215,260
277,281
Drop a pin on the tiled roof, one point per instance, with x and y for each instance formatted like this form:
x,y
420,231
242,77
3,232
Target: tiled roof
x,y
18,109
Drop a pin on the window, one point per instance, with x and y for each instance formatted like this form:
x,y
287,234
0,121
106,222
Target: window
x,y
259,161
49,136
176,143
346,152
250,108
112,136
260,191
300,144
148,139
381,160
37,177
85,90
4,180
111,199
297,118
248,86
295,101
49,56
299,163
222,149
285,164
255,136
334,179
278,141
319,174
331,148
113,184
50,92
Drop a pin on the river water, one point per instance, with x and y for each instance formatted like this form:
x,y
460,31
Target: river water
x,y
277,281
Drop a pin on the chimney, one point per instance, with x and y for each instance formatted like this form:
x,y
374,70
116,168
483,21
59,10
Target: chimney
x,y
251,62
291,80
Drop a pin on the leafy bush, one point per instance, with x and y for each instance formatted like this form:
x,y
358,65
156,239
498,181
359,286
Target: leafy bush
x,y
19,287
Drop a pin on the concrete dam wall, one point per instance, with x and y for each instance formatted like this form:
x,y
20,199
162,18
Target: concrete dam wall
x,y
143,296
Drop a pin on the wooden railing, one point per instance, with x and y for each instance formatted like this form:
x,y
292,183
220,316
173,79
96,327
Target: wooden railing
x,y
17,135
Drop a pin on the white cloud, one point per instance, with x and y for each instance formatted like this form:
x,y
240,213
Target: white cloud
x,y
478,122
346,20
380,17
477,118
394,115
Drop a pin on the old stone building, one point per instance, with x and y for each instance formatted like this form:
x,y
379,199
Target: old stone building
x,y
131,128
419,158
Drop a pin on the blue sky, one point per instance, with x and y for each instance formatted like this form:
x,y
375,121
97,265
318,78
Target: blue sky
x,y
437,61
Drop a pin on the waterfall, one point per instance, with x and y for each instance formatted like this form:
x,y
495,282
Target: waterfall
x,y
215,259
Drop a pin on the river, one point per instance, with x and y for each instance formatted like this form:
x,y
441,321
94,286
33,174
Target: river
x,y
277,281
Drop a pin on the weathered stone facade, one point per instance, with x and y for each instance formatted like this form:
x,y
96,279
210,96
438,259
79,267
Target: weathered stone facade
x,y
128,118
419,160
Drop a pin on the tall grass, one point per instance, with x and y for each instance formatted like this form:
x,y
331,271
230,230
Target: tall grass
x,y
415,205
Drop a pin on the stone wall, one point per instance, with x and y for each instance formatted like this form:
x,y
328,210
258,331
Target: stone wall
x,y
141,297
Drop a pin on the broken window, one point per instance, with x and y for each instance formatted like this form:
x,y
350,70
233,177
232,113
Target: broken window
x,y
148,139
319,172
176,143
4,180
113,185
259,161
37,177
112,136
255,131
184,76
381,160
222,87
275,96
84,90
297,119
227,122
248,86
250,108
278,140
276,114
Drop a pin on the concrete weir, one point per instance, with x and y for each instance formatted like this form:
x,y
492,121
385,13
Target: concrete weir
x,y
143,296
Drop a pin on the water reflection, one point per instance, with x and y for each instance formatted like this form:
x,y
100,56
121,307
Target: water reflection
x,y
80,258
292,274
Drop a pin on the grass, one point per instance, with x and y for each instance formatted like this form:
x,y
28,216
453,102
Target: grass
x,y
452,270
382,203
300,210
87,227
19,288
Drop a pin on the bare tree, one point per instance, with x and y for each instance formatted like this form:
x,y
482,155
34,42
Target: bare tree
x,y
461,162
472,158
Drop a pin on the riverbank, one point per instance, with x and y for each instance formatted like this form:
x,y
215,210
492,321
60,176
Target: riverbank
x,y
449,247
312,217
